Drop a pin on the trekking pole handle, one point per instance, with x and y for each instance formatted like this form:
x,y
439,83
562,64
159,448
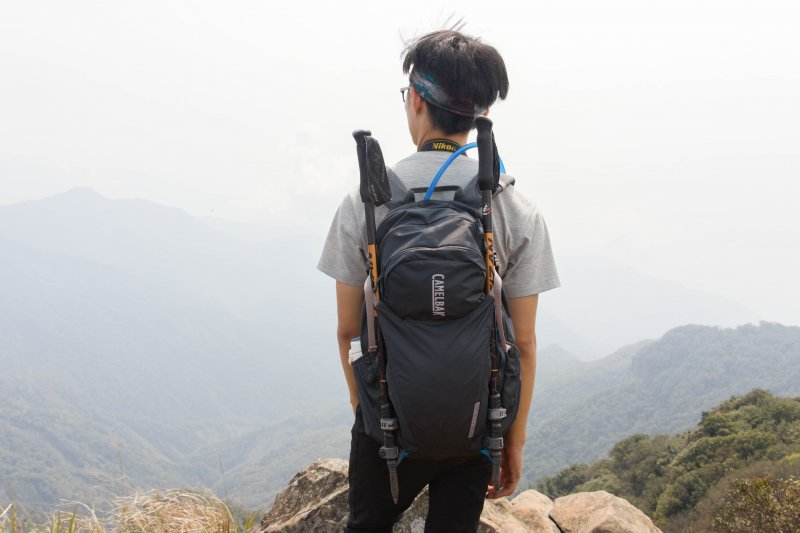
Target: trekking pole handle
x,y
369,205
361,149
485,153
485,184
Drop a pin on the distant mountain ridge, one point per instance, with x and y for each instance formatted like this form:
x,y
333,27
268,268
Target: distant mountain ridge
x,y
609,304
229,265
144,316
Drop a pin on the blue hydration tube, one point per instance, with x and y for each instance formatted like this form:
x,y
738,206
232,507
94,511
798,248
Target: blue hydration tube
x,y
450,159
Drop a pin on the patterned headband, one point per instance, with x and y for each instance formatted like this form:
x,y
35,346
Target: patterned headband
x,y
433,93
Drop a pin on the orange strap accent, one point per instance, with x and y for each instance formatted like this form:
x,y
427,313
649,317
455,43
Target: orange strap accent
x,y
373,270
489,257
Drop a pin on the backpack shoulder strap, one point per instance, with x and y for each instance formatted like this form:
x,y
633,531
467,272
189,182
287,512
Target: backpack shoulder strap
x,y
472,195
506,181
399,190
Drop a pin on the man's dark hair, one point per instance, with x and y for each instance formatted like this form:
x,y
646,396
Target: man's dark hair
x,y
466,69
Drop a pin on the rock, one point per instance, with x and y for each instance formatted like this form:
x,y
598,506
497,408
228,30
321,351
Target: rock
x,y
527,512
533,509
599,512
413,520
316,500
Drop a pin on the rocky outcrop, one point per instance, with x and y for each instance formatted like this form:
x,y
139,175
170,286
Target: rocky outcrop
x,y
526,512
599,511
316,500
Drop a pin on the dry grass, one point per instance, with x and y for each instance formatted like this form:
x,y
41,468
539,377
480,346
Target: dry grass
x,y
71,522
172,511
157,511
8,520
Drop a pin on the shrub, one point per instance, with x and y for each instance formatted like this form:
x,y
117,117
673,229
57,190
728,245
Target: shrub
x,y
760,504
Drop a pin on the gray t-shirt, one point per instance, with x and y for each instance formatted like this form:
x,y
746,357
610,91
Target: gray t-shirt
x,y
524,256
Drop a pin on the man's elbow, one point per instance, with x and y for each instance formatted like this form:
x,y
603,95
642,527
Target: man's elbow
x,y
346,333
527,346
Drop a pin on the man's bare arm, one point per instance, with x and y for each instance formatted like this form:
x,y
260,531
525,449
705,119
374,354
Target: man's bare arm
x,y
349,300
523,315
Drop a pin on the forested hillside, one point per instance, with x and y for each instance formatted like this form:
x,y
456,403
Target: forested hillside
x,y
745,451
60,438
55,444
582,409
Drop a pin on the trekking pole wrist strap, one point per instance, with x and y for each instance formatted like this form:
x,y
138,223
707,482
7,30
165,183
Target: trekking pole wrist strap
x,y
497,291
369,302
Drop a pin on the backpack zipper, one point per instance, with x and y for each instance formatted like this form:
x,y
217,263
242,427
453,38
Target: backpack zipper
x,y
393,259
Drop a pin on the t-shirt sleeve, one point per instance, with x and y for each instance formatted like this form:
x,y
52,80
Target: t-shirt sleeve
x,y
531,266
342,255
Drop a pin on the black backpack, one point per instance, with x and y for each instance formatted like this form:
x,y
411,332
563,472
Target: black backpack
x,y
439,376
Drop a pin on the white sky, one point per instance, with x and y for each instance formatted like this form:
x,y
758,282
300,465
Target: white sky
x,y
665,135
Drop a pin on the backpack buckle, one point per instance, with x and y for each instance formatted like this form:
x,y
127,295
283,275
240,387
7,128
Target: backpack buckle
x,y
493,443
388,424
497,413
389,452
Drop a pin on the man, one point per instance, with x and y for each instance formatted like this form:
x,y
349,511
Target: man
x,y
452,79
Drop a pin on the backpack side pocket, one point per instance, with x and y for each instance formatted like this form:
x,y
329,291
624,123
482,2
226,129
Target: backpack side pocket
x,y
510,384
367,377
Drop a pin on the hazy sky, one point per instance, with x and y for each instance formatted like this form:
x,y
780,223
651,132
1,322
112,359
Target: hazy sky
x,y
664,135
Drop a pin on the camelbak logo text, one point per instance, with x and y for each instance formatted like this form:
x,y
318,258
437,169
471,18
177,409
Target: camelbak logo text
x,y
438,294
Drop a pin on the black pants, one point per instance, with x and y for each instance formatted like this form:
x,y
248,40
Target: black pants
x,y
456,488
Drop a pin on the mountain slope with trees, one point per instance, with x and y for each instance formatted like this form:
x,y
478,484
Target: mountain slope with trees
x,y
694,481
654,387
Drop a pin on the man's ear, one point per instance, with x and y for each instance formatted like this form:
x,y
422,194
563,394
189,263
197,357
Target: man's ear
x,y
486,113
417,103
